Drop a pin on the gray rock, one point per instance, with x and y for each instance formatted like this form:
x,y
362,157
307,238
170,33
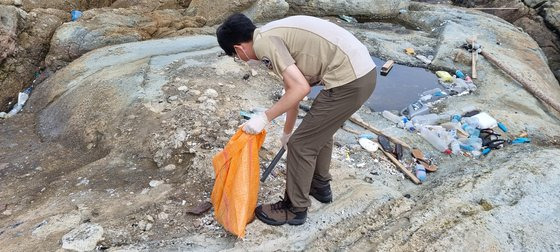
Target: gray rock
x,y
264,10
94,85
217,11
368,8
57,223
25,39
93,31
552,14
211,93
83,238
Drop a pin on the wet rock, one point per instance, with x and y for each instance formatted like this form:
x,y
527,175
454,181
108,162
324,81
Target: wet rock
x,y
368,8
83,238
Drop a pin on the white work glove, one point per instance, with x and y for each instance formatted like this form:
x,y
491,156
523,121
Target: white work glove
x,y
256,124
284,140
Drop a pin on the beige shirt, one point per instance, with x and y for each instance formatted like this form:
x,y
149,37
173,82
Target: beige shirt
x,y
322,51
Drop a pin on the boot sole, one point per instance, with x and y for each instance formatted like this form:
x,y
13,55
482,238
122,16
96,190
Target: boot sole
x,y
324,200
294,222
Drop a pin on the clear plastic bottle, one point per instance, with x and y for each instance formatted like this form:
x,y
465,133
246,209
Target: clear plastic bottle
x,y
455,147
391,117
429,119
434,139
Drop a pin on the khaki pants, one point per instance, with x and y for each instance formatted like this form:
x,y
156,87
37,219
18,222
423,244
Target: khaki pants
x,y
310,147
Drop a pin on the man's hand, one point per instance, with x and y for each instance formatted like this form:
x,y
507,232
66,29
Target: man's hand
x,y
256,124
284,140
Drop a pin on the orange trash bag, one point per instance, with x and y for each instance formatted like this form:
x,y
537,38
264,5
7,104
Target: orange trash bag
x,y
236,187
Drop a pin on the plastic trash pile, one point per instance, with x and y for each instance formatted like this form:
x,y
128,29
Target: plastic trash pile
x,y
469,131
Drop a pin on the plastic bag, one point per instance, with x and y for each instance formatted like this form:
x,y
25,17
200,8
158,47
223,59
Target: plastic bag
x,y
236,187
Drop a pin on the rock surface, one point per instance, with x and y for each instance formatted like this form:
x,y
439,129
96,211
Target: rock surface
x,y
25,42
83,238
258,10
102,27
540,19
367,8
110,122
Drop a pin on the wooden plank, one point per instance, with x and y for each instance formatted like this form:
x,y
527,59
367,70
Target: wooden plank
x,y
401,167
365,125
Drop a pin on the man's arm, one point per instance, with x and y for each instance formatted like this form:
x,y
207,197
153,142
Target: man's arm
x,y
291,116
297,88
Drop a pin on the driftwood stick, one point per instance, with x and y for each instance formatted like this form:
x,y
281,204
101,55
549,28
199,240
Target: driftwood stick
x,y
532,88
401,167
365,125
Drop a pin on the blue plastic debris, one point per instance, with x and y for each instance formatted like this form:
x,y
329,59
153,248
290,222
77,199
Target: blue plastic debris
x,y
75,14
245,114
521,140
502,127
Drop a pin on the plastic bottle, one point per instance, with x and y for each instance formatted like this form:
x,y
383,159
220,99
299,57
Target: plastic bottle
x,y
472,131
22,98
475,142
429,119
455,147
460,74
409,125
420,172
75,14
433,138
502,127
455,118
391,117
414,109
431,91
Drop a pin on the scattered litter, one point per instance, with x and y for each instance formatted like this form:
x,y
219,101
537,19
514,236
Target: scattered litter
x,y
22,98
75,14
386,68
368,145
485,121
521,140
348,19
444,76
502,127
410,51
420,172
424,59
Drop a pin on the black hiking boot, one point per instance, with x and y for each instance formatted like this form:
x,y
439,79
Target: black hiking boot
x,y
280,213
321,191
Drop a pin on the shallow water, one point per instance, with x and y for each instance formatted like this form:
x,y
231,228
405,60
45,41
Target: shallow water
x,y
401,87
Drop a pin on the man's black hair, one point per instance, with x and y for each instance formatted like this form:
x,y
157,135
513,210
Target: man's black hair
x,y
237,29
